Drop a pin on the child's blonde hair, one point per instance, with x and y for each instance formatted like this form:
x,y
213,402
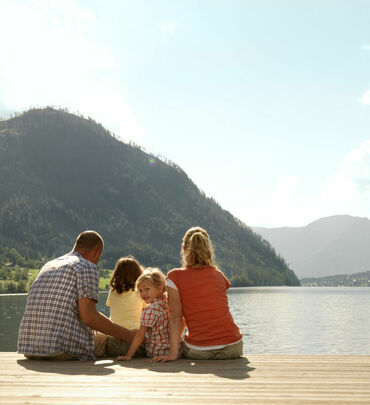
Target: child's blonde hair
x,y
197,249
154,275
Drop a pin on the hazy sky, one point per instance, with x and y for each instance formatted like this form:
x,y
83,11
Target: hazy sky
x,y
264,103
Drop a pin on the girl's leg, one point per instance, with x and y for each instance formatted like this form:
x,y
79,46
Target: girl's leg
x,y
116,347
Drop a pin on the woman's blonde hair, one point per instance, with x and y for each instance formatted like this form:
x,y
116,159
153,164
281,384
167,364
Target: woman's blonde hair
x,y
197,249
154,275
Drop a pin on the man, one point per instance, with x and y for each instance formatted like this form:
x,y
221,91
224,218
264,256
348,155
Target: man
x,y
61,313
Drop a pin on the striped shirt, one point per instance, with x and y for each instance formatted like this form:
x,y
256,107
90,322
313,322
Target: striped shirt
x,y
155,317
51,321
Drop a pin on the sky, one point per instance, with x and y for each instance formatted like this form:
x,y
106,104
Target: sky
x,y
265,104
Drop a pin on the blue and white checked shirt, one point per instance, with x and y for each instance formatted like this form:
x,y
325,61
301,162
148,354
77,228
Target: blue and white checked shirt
x,y
51,321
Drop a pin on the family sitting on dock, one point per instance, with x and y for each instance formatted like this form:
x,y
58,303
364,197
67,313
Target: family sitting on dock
x,y
149,311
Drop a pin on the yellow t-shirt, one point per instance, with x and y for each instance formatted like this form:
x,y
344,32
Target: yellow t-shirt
x,y
125,308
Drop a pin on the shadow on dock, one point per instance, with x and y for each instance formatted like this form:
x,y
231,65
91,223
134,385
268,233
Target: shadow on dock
x,y
236,369
73,367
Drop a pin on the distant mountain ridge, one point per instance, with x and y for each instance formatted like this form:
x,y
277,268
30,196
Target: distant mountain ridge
x,y
329,246
61,174
339,280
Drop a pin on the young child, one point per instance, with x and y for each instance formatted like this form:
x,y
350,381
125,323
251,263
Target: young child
x,y
125,304
154,318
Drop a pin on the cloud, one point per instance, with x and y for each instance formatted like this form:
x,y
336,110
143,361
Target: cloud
x,y
55,57
168,27
285,188
283,202
345,192
358,164
365,99
351,184
281,206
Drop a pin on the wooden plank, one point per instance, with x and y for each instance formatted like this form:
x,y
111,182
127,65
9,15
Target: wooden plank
x,y
266,379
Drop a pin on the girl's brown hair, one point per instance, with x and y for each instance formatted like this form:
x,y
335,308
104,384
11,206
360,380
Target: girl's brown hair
x,y
197,249
125,274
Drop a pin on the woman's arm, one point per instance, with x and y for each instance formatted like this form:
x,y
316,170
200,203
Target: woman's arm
x,y
137,341
177,326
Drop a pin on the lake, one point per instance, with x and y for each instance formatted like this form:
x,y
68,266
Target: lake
x,y
274,320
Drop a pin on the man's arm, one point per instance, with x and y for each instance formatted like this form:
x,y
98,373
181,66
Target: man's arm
x,y
97,321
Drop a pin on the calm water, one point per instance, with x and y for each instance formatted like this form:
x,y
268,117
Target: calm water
x,y
284,320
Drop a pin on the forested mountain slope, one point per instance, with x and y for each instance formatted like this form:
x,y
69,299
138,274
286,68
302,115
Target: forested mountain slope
x,y
61,174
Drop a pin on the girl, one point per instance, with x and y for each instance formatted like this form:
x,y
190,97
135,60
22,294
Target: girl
x,y
154,318
197,292
125,305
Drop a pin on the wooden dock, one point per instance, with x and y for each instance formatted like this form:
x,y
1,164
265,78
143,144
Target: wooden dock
x,y
265,379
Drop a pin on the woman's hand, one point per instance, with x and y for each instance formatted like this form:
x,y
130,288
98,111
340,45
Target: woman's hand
x,y
163,358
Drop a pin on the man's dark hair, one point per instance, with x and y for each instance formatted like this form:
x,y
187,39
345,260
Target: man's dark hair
x,y
88,240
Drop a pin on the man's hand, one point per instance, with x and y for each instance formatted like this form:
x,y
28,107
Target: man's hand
x,y
123,358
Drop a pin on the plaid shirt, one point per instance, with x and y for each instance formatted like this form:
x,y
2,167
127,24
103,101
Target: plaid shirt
x,y
51,321
155,317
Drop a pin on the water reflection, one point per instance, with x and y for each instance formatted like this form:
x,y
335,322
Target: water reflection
x,y
11,312
296,320
285,320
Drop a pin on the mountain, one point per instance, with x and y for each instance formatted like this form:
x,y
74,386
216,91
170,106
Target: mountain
x,y
61,174
329,246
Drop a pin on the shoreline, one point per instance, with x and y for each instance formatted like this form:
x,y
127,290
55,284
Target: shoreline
x,y
298,287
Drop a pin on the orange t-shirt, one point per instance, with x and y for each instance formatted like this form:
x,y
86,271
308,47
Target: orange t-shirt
x,y
205,306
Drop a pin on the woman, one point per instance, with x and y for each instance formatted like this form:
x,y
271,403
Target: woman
x,y
197,294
